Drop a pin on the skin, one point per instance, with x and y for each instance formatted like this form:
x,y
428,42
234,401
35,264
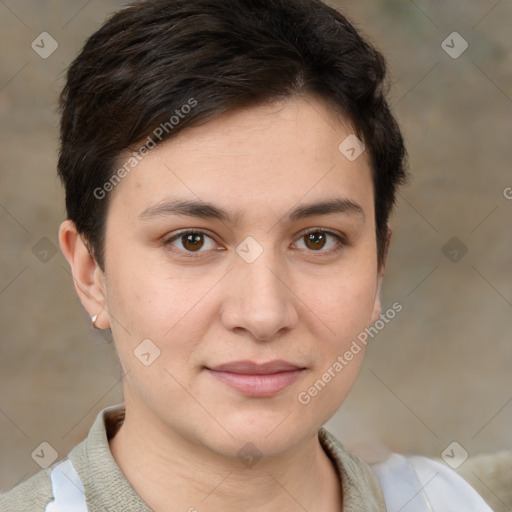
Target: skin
x,y
299,302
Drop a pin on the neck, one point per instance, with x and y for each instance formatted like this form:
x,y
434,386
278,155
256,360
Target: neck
x,y
164,467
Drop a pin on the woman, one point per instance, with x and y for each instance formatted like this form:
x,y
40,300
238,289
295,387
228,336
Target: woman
x,y
230,168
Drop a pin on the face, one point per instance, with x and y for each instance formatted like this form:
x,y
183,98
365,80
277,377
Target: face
x,y
246,241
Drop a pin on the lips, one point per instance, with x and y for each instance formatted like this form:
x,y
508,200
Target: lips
x,y
256,379
250,368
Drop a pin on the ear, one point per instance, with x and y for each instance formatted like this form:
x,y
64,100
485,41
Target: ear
x,y
87,275
377,306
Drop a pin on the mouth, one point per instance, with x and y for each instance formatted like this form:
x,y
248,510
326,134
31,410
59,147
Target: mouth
x,y
257,380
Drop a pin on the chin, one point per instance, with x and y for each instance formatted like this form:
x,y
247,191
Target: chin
x,y
265,433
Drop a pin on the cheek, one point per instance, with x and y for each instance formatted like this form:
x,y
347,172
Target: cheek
x,y
343,311
342,300
149,300
174,312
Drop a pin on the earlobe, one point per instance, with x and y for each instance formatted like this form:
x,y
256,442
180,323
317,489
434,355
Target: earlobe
x,y
87,275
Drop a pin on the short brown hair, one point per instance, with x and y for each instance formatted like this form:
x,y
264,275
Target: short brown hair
x,y
153,57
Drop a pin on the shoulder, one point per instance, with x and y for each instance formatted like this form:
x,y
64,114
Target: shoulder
x,y
32,495
35,493
422,484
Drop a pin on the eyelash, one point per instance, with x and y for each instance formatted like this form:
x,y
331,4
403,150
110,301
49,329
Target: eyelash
x,y
341,239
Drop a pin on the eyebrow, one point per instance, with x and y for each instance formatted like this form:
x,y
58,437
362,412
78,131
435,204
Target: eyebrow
x,y
206,210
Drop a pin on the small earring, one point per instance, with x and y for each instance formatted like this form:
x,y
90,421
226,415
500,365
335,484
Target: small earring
x,y
93,319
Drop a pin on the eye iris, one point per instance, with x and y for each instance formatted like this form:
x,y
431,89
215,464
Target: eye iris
x,y
192,241
315,240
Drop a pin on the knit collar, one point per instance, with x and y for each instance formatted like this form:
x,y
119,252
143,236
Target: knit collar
x,y
107,489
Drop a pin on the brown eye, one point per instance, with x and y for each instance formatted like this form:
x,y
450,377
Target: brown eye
x,y
315,241
321,241
192,241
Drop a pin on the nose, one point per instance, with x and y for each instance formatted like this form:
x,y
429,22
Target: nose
x,y
259,300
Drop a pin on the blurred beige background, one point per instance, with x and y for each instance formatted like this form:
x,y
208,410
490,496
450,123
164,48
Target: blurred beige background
x,y
439,372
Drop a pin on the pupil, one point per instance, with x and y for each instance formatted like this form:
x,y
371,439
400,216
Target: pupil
x,y
193,241
316,240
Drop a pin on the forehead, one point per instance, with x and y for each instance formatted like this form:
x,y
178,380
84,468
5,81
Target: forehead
x,y
267,157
